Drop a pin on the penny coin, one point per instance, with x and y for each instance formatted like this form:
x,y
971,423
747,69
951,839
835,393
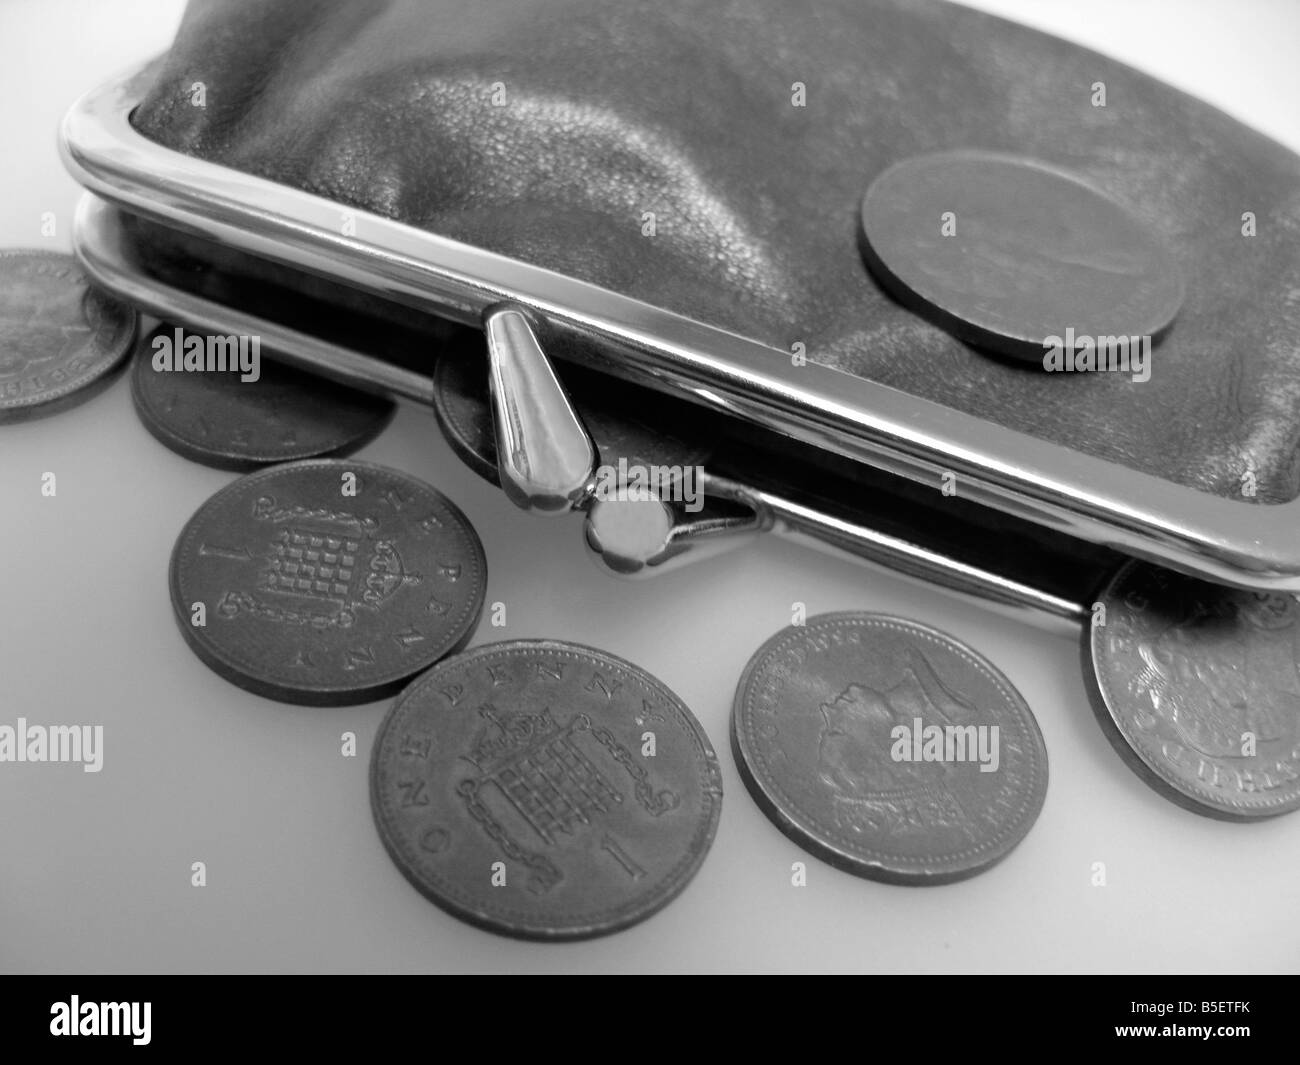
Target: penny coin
x,y
1006,252
326,582
60,339
888,749
218,418
1198,688
544,790
608,408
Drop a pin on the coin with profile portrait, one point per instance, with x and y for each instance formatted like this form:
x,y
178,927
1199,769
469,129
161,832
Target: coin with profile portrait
x,y
888,748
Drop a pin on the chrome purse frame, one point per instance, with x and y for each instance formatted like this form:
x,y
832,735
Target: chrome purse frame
x,y
1065,492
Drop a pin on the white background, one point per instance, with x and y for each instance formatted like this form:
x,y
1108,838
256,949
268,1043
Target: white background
x,y
95,869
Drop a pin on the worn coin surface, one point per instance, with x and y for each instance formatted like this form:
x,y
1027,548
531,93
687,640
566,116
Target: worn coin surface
x,y
217,418
314,595
1198,688
888,748
608,407
1005,252
60,339
544,790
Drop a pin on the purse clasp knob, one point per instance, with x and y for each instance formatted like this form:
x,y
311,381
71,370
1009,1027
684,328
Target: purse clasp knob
x,y
545,457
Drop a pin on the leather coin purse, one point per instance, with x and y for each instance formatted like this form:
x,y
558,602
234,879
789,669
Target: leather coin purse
x,y
624,230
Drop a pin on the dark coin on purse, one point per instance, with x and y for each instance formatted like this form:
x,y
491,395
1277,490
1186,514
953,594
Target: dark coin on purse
x,y
888,748
1198,688
327,582
220,418
609,408
1005,253
544,790
60,339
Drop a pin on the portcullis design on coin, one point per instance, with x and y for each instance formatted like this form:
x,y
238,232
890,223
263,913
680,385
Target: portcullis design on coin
x,y
60,340
1198,688
219,419
544,790
888,749
314,595
1006,252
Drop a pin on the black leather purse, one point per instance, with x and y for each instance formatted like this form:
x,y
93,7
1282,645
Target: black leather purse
x,y
658,206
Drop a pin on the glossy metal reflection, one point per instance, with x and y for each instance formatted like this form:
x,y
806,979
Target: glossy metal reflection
x,y
545,458
643,535
1062,489
106,255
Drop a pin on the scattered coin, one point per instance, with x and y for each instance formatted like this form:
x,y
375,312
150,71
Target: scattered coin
x,y
313,595
888,749
1198,688
608,407
544,790
217,418
1005,252
60,339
